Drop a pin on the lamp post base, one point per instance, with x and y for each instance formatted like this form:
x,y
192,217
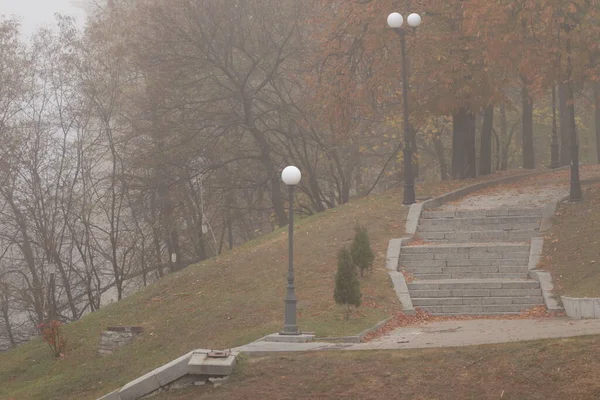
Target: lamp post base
x,y
285,338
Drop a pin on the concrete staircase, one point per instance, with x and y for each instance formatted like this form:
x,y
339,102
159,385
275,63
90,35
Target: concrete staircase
x,y
473,262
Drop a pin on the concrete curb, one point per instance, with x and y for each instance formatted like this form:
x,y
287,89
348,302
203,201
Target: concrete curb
x,y
581,308
398,281
161,377
535,252
545,280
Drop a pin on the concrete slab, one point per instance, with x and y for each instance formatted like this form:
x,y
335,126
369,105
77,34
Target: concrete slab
x,y
276,337
545,280
173,370
535,252
412,219
139,387
111,396
201,364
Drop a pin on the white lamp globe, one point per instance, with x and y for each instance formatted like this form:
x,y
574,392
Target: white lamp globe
x,y
291,175
395,20
414,20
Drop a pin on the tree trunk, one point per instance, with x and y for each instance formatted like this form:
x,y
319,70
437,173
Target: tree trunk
x,y
439,150
528,151
458,151
464,154
597,118
503,159
565,128
485,153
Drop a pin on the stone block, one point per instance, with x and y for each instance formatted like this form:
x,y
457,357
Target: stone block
x,y
525,212
201,364
514,292
412,219
468,263
506,262
528,300
486,300
423,270
414,294
521,285
471,293
517,256
512,269
139,387
417,257
470,270
173,370
111,396
393,252
451,256
401,289
499,212
421,263
437,301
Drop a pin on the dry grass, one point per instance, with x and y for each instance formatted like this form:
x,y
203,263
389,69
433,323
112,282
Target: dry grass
x,y
544,370
572,247
228,301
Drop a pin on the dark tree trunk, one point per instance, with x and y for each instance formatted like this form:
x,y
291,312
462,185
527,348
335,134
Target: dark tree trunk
x,y
464,156
528,152
458,151
565,127
485,153
503,159
439,150
597,118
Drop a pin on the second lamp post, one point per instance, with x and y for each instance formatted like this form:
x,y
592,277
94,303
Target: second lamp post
x,y
395,21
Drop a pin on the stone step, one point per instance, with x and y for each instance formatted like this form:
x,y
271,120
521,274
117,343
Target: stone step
x,y
520,235
416,294
473,275
477,301
465,272
467,227
500,212
478,309
479,220
475,284
466,248
471,265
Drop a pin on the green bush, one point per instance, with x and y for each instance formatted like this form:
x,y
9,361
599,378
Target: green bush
x,y
347,287
362,254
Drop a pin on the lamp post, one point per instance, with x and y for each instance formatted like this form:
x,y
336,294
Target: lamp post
x,y
290,176
554,149
395,21
575,193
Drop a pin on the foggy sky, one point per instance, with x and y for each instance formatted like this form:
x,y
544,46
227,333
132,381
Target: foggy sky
x,y
36,13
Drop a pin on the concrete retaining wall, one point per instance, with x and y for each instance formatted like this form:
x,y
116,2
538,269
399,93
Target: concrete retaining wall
x,y
581,308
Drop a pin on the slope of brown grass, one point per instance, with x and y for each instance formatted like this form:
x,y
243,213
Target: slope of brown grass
x,y
572,247
545,370
228,301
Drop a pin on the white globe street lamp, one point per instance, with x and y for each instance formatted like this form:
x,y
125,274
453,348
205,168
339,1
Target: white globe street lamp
x,y
291,177
395,21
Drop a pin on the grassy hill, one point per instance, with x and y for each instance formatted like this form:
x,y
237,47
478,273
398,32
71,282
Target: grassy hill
x,y
227,301
572,247
555,369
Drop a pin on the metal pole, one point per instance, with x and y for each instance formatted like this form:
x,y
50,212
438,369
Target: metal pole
x,y
289,326
575,193
554,150
409,180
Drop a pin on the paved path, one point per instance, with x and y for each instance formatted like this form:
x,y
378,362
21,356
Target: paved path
x,y
449,334
482,331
